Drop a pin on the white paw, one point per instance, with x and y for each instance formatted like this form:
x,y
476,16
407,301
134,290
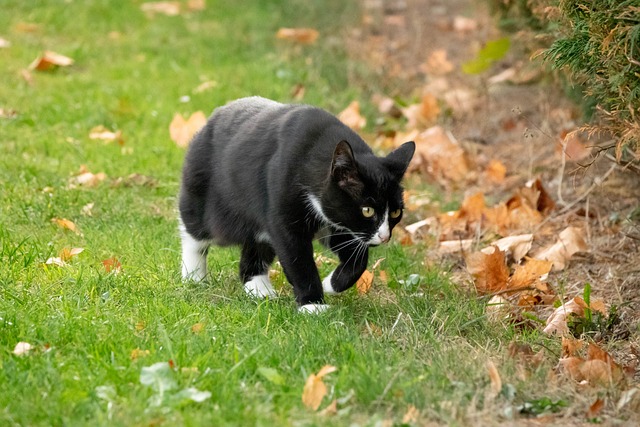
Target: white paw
x,y
313,308
326,285
260,287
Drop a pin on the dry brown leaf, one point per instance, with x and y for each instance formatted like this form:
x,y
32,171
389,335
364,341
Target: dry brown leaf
x,y
595,408
453,246
437,63
411,416
463,24
574,148
462,100
137,353
66,224
196,328
112,265
363,285
22,348
527,274
570,241
439,155
298,35
557,322
496,171
182,130
66,254
498,309
494,376
598,368
518,245
50,60
315,389
424,114
57,261
87,209
351,116
382,275
490,271
102,133
169,8
196,5
571,346
331,409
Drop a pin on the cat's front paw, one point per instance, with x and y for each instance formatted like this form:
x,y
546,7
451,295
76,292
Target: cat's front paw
x,y
260,287
327,287
313,308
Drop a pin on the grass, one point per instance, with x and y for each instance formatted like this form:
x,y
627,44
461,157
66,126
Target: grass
x,y
422,343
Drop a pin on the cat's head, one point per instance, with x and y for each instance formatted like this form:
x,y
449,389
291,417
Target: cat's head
x,y
364,195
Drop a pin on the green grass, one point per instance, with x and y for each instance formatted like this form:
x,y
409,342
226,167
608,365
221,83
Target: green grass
x,y
423,344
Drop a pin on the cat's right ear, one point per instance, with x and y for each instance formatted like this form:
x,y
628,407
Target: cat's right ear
x,y
344,170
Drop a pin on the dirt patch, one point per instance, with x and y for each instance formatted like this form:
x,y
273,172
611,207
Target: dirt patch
x,y
515,114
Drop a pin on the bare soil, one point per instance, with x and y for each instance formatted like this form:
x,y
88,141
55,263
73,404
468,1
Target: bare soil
x,y
521,122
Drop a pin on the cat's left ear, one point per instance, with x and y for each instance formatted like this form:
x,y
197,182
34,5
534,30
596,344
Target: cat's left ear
x,y
398,160
344,169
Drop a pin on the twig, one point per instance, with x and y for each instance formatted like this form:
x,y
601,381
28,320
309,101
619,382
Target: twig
x,y
597,182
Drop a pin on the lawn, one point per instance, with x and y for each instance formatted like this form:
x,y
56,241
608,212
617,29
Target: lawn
x,y
414,341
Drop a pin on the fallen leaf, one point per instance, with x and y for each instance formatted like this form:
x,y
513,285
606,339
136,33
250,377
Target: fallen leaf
x,y
351,116
595,408
22,348
4,43
315,389
498,309
182,130
331,409
65,224
518,245
196,5
168,8
439,155
574,148
102,133
135,180
66,254
424,114
364,282
86,179
112,265
411,416
298,91
571,346
87,209
496,171
139,326
196,328
494,376
490,271
453,246
8,113
137,353
298,35
527,274
570,241
204,86
463,24
462,100
437,63
557,322
57,261
50,60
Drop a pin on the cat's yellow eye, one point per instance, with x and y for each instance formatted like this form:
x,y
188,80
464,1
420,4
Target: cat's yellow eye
x,y
368,211
395,214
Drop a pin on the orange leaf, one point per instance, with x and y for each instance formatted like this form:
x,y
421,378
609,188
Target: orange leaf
x,y
182,130
570,241
169,8
595,408
518,245
315,389
574,148
494,376
496,171
364,282
351,116
50,60
66,254
527,274
489,271
423,114
196,328
136,353
102,133
298,35
112,264
65,224
437,63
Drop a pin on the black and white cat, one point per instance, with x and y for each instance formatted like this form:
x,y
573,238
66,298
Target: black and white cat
x,y
268,176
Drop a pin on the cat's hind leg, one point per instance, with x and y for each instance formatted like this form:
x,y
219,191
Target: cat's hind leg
x,y
254,269
194,256
353,255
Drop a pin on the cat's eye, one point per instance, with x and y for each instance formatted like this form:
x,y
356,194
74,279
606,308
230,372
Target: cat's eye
x,y
395,214
368,211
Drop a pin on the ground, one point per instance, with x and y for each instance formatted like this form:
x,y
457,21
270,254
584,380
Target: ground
x,y
521,122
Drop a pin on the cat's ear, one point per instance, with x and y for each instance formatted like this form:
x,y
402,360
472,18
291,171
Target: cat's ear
x,y
398,160
344,170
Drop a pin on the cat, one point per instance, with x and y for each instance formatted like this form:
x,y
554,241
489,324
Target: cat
x,y
268,176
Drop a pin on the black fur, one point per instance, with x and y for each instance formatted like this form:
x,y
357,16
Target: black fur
x,y
251,170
